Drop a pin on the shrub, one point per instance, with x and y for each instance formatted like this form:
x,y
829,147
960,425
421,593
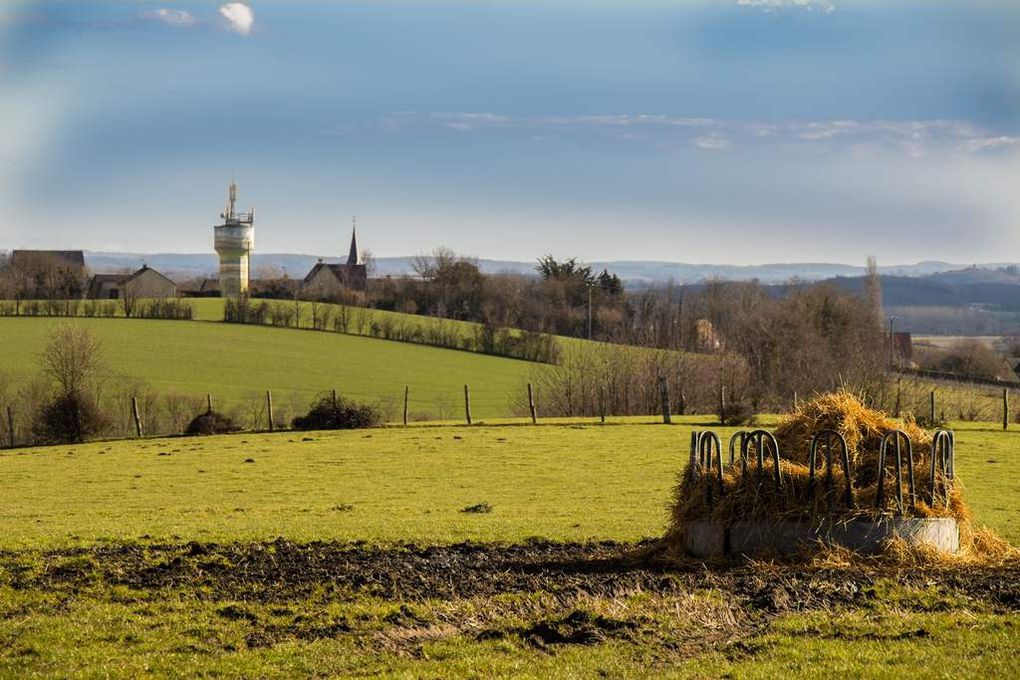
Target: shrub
x,y
211,422
167,308
69,419
343,415
281,314
737,413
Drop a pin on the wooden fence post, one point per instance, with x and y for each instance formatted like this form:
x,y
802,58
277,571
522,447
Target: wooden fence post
x,y
531,404
899,385
10,425
138,420
467,404
664,399
931,408
602,403
208,401
1005,408
269,408
722,404
407,396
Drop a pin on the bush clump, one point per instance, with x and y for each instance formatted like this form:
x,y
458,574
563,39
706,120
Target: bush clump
x,y
328,413
737,413
69,419
211,422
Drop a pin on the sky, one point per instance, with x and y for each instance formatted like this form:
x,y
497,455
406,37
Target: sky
x,y
722,131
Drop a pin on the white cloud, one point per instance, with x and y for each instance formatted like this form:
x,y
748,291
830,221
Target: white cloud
x,y
470,121
824,6
915,138
813,132
978,144
171,17
238,16
712,142
625,120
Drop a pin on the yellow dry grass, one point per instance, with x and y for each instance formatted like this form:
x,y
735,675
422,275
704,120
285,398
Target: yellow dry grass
x,y
845,412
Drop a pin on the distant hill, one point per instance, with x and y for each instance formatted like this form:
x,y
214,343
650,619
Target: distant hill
x,y
943,291
965,302
634,273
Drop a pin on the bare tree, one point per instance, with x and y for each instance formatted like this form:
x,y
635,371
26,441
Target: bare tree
x,y
71,361
423,266
72,358
128,299
368,259
874,289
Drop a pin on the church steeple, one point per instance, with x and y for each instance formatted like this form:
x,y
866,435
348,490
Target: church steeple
x,y
354,257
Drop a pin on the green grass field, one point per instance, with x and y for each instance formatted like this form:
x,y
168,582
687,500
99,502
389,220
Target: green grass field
x,y
157,607
572,481
239,363
211,309
98,576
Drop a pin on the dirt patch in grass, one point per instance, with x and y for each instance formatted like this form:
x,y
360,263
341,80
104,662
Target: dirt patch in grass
x,y
280,571
579,627
540,596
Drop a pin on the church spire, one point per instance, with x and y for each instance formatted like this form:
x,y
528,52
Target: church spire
x,y
354,257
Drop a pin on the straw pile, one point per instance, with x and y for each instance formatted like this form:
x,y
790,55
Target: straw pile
x,y
843,411
754,496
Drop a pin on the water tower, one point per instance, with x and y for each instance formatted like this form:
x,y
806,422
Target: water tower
x,y
234,240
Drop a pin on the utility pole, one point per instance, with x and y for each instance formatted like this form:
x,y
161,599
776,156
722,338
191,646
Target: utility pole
x,y
590,286
892,343
680,320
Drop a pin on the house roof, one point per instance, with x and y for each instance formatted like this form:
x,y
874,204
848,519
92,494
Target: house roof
x,y
110,278
337,270
97,281
147,268
120,279
74,258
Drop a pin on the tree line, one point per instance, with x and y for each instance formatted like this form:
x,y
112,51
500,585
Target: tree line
x,y
764,344
774,343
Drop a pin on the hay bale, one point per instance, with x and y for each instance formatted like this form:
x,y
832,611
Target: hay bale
x,y
753,496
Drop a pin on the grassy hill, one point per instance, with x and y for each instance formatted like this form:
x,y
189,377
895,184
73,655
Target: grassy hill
x,y
236,364
211,309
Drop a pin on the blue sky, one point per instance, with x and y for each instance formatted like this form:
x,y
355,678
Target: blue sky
x,y
737,131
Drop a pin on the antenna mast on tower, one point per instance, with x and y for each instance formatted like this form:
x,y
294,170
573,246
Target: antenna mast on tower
x,y
233,201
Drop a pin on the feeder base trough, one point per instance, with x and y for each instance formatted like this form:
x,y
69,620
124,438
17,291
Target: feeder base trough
x,y
703,538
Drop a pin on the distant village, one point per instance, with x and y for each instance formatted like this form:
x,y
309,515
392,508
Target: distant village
x,y
63,274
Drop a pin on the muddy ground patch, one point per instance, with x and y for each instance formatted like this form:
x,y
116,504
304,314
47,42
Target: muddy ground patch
x,y
541,595
281,570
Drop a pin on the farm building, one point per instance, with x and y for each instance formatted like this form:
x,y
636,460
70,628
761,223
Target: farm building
x,y
329,280
65,259
201,288
144,283
48,273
